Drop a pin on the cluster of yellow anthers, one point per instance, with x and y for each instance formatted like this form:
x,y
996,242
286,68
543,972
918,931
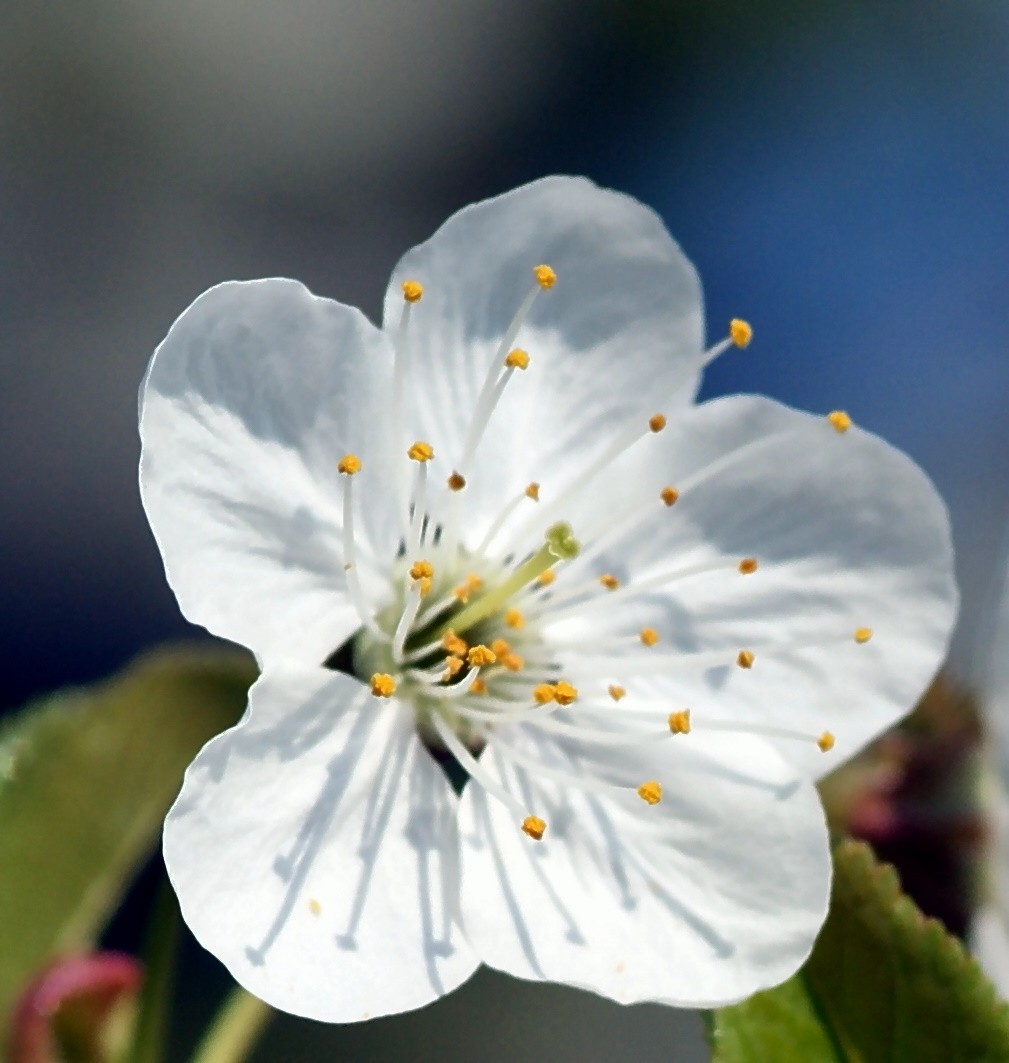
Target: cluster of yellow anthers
x,y
478,663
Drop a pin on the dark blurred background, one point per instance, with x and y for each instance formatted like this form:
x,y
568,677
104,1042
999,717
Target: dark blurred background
x,y
838,173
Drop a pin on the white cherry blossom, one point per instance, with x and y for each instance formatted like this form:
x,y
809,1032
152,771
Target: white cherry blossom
x,y
629,628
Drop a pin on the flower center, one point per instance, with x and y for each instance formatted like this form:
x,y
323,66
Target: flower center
x,y
458,632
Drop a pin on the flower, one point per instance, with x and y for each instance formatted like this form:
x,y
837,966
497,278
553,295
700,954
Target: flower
x,y
627,627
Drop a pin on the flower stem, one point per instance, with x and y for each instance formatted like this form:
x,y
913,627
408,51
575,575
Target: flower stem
x,y
235,1029
148,1040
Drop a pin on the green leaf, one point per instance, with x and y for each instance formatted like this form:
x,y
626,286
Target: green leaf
x,y
883,983
86,777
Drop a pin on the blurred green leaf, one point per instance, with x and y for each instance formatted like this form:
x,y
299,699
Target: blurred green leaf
x,y
883,983
86,777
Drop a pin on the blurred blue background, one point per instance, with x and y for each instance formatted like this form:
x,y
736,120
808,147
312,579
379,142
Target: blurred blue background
x,y
838,173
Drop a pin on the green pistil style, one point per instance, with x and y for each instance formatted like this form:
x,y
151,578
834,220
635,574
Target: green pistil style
x,y
560,545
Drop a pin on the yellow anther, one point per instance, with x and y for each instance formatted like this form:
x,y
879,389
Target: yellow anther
x,y
656,422
745,659
480,655
679,722
533,491
349,464
863,634
512,661
650,792
748,566
649,636
478,686
616,692
545,276
451,643
499,647
534,827
453,665
314,907
610,582
669,495
825,742
469,586
382,685
420,451
412,291
544,693
564,693
456,482
740,332
517,359
514,619
420,569
839,420
425,586
544,579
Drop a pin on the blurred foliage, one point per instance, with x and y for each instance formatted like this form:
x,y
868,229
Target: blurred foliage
x,y
883,983
86,777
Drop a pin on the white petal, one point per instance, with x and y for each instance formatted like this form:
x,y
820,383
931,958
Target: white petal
x,y
249,403
314,852
619,336
712,894
848,533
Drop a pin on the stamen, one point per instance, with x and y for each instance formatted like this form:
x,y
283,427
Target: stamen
x,y
349,465
745,659
740,332
413,291
610,582
421,569
839,421
453,666
469,586
534,827
669,495
456,482
679,722
544,579
408,616
748,566
650,792
517,359
451,642
420,451
472,766
657,422
383,685
487,398
825,740
564,693
514,619
617,692
862,635
544,693
354,588
509,508
575,601
478,656
478,686
545,276
740,335
649,636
